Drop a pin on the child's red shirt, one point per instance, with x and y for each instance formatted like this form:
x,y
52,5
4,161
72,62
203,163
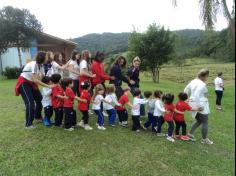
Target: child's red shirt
x,y
84,106
123,100
68,103
57,102
168,116
181,106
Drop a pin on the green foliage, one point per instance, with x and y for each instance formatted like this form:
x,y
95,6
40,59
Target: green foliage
x,y
12,72
155,47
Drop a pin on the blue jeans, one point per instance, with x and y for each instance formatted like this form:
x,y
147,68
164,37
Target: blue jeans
x,y
151,121
160,121
112,116
100,117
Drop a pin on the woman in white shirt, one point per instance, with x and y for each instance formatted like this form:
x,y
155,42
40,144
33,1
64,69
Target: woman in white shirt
x,y
27,87
197,90
219,89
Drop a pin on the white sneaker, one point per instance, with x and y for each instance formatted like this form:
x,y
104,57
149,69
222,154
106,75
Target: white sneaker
x,y
171,139
101,127
191,137
206,141
137,131
161,134
90,112
87,127
144,127
69,129
81,124
105,114
31,127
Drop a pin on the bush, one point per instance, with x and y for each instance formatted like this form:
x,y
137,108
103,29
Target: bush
x,y
12,72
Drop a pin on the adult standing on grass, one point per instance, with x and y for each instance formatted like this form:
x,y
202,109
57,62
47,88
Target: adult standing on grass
x,y
133,74
116,72
219,89
27,87
197,90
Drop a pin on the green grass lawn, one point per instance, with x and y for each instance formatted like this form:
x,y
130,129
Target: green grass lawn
x,y
117,151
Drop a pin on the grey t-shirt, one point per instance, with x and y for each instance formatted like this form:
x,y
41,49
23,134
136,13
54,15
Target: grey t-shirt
x,y
151,106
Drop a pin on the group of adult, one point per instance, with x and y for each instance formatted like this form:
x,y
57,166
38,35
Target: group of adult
x,y
81,68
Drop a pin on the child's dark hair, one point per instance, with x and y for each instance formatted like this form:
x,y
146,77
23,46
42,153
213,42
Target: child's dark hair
x,y
168,98
183,96
137,92
85,85
46,79
147,94
158,93
55,78
65,83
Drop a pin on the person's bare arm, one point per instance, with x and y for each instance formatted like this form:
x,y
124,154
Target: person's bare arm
x,y
83,72
80,99
37,81
179,112
62,97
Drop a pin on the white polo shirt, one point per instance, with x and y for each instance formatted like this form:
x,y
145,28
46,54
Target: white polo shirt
x,y
137,102
54,69
112,99
158,109
32,68
218,81
97,102
76,67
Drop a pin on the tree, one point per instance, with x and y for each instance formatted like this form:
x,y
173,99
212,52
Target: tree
x,y
209,11
17,29
154,47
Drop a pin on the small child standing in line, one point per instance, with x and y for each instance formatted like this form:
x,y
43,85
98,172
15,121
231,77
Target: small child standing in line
x,y
182,106
121,110
57,99
110,108
47,102
151,106
84,107
168,115
137,102
97,100
70,113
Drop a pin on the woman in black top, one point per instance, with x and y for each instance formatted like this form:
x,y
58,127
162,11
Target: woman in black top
x,y
116,72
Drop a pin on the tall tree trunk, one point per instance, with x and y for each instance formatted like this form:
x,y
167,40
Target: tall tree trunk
x,y
158,75
230,19
19,55
154,74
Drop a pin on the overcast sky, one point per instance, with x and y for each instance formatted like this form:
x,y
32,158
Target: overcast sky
x,y
74,18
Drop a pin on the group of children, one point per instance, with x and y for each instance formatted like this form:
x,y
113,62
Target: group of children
x,y
61,97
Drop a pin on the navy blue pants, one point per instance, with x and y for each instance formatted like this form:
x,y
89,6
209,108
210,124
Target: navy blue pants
x,y
75,87
100,117
219,95
160,122
151,121
112,116
136,123
178,125
123,115
171,127
32,99
85,116
58,116
48,111
70,117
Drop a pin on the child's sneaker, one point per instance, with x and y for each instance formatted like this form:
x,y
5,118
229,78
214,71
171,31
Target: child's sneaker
x,y
191,137
30,127
206,141
171,139
101,127
177,137
124,124
69,129
144,127
81,124
161,134
184,138
46,121
87,127
90,112
112,125
137,131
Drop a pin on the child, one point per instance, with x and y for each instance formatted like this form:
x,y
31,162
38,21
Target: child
x,y
57,97
121,110
182,106
70,114
47,102
84,107
97,100
111,97
137,102
151,106
168,114
158,113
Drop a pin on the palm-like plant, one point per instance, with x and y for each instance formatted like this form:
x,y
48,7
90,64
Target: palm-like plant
x,y
209,10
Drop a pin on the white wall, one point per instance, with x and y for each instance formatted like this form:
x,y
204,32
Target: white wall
x,y
10,58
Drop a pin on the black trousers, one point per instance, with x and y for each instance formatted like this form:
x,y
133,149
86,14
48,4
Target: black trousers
x,y
178,126
136,123
70,117
85,116
58,116
122,115
160,122
119,92
219,95
48,111
75,87
171,127
32,99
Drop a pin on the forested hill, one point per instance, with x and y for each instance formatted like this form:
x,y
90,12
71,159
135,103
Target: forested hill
x,y
112,43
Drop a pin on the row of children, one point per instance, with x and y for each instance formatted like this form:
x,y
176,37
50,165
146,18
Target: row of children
x,y
160,107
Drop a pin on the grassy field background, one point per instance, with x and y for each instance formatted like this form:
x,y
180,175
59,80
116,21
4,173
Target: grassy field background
x,y
118,151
